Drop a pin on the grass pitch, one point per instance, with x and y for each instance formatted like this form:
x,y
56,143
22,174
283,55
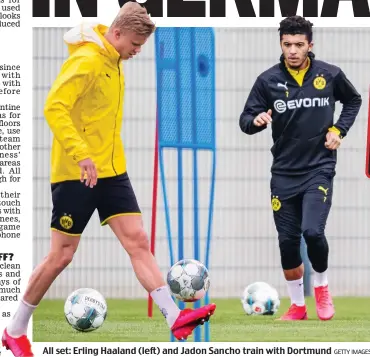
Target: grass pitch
x,y
127,321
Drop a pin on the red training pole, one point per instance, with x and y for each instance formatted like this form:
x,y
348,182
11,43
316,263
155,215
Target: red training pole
x,y
368,142
154,208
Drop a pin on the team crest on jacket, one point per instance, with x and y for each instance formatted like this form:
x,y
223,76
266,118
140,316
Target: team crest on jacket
x,y
275,203
319,82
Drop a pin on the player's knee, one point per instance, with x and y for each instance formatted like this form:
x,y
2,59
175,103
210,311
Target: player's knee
x,y
290,252
61,259
314,237
312,234
317,249
67,256
138,242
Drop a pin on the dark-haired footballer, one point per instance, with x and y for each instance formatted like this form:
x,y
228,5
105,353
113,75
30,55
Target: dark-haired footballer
x,y
297,97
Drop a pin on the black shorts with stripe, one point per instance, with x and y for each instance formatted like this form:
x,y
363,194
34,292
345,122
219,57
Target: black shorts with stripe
x,y
302,204
74,203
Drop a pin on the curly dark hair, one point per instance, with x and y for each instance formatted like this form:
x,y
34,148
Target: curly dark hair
x,y
296,25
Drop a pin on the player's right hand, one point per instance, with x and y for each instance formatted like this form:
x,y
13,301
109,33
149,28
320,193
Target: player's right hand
x,y
263,118
88,167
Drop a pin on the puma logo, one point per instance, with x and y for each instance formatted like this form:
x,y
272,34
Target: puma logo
x,y
325,190
285,86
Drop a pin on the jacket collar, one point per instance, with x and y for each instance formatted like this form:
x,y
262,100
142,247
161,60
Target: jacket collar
x,y
101,30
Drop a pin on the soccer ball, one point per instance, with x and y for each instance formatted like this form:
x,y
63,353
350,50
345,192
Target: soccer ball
x,y
85,309
188,280
260,299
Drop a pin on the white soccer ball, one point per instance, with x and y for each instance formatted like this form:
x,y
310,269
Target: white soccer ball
x,y
85,309
260,298
188,280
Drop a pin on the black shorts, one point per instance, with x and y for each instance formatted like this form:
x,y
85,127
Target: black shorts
x,y
74,203
308,209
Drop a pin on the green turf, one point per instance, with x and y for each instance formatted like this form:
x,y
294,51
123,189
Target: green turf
x,y
127,321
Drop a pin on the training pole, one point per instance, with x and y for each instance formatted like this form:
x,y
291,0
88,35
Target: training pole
x,y
154,208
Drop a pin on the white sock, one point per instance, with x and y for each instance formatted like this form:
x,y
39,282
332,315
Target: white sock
x,y
162,297
19,323
320,279
296,292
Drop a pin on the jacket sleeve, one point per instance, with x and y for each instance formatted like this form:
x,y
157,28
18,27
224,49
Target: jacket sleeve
x,y
256,103
347,94
74,80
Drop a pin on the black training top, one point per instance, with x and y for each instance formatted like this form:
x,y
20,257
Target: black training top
x,y
301,115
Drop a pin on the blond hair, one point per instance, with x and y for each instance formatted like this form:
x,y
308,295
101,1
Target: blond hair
x,y
133,17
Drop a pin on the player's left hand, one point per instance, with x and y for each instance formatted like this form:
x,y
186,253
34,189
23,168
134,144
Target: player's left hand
x,y
333,141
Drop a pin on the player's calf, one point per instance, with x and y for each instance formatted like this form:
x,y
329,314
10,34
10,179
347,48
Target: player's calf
x,y
131,234
40,281
46,272
61,254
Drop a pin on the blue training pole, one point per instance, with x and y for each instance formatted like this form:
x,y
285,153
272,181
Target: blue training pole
x,y
307,269
186,99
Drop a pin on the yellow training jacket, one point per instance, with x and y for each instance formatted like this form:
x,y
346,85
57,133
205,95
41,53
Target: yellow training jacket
x,y
84,107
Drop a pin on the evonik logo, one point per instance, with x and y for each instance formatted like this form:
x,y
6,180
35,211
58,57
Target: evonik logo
x,y
281,106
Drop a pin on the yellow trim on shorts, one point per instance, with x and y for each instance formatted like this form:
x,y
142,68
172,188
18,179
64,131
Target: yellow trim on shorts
x,y
118,215
68,234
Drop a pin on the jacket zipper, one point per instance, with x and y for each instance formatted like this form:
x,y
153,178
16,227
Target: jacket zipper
x,y
115,118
